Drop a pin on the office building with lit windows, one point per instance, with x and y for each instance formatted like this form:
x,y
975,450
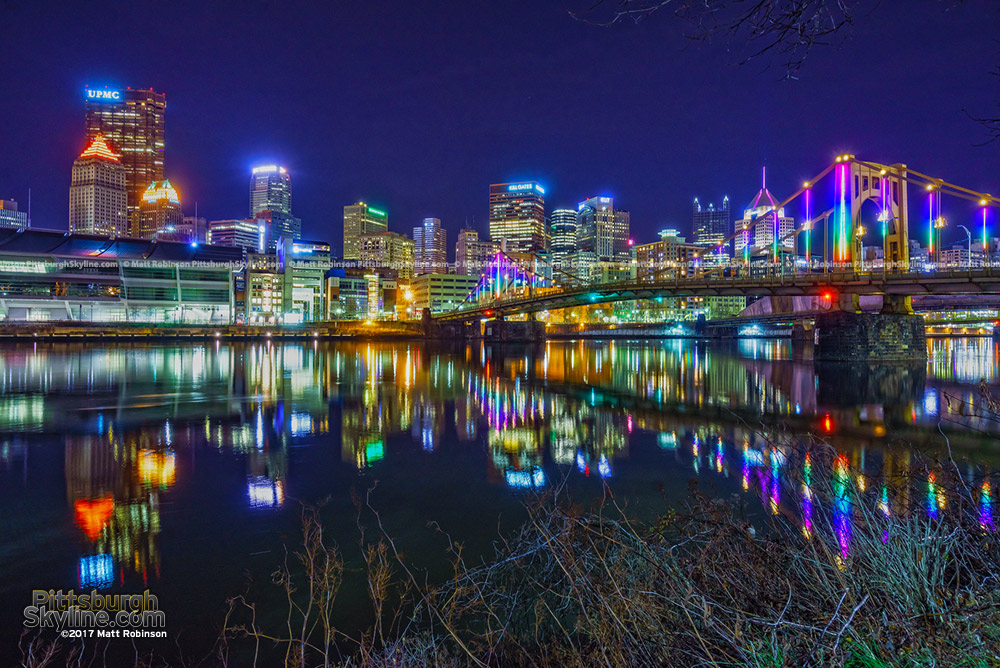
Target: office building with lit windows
x,y
441,292
711,225
603,230
270,188
764,227
159,213
472,254
387,254
430,249
562,235
288,286
243,233
361,219
10,216
132,123
98,199
517,216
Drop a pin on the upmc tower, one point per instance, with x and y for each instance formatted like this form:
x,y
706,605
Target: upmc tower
x,y
131,121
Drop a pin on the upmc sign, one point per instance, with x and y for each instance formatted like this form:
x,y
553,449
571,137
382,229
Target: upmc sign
x,y
104,95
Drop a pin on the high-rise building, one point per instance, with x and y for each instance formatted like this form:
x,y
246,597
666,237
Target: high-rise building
x,y
270,188
159,213
517,216
132,122
10,216
562,235
672,256
388,254
711,226
603,230
98,200
278,225
764,226
430,250
472,254
242,233
361,219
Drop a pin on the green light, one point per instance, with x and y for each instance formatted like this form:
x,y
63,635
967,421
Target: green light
x,y
376,212
374,451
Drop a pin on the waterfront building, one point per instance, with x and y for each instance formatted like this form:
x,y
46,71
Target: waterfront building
x,y
58,275
603,230
346,296
241,233
388,254
271,189
289,286
672,255
430,250
132,123
562,236
472,254
159,212
361,219
98,199
711,225
441,292
11,217
517,216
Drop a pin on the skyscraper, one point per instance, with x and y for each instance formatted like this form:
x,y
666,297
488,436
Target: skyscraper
x,y
361,219
270,188
98,200
472,254
517,216
562,235
430,250
764,226
10,216
711,226
603,230
388,254
159,214
131,122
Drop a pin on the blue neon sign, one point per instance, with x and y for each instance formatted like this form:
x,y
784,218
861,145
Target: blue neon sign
x,y
104,95
518,187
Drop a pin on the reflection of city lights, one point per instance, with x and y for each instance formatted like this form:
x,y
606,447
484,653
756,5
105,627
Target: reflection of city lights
x,y
97,571
93,514
986,508
827,424
157,469
532,478
301,424
604,467
667,440
265,493
581,464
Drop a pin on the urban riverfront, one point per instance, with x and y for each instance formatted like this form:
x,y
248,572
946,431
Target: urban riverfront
x,y
178,468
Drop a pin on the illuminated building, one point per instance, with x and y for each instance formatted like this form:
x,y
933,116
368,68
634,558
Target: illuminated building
x,y
270,188
11,217
388,254
517,216
563,236
603,230
265,289
472,254
762,223
441,292
277,226
124,279
132,123
246,234
430,250
361,219
346,296
97,195
711,226
666,258
289,286
159,212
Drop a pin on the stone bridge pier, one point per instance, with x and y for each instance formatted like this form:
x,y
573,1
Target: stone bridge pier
x,y
896,334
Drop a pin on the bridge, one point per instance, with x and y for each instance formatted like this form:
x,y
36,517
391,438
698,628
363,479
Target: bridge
x,y
771,260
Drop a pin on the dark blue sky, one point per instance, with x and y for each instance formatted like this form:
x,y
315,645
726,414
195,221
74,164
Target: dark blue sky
x,y
419,106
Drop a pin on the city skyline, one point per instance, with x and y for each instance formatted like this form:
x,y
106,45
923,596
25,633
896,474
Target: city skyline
x,y
654,164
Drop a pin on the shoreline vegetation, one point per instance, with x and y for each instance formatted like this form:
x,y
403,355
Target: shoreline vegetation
x,y
828,569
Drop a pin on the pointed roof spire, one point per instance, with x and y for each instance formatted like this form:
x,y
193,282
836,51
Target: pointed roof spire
x,y
99,149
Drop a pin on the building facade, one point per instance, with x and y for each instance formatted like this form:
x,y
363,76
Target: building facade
x,y
517,216
764,227
270,188
361,219
472,254
289,286
672,256
387,254
240,233
441,292
430,248
711,225
159,212
132,123
603,230
11,217
563,236
98,199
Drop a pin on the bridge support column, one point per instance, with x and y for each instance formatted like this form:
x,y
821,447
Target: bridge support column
x,y
876,337
901,304
802,332
515,331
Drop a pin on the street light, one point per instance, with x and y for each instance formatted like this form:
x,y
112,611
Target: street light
x,y
858,234
969,235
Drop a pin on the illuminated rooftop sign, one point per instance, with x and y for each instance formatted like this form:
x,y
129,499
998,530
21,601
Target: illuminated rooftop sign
x,y
104,95
158,190
268,169
376,212
99,149
520,187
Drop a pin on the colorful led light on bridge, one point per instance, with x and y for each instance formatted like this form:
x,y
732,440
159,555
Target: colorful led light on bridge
x,y
841,248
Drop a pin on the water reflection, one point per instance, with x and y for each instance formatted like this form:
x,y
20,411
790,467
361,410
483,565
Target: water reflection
x,y
132,419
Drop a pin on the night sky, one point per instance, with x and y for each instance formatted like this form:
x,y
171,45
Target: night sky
x,y
419,106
